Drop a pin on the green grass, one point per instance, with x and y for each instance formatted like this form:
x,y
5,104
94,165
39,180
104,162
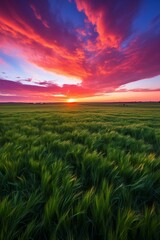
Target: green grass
x,y
80,171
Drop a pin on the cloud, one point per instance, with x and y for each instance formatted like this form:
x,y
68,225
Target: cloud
x,y
112,19
54,47
138,90
105,53
48,92
45,91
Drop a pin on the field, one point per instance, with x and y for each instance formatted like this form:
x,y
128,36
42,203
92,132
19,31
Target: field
x,y
80,171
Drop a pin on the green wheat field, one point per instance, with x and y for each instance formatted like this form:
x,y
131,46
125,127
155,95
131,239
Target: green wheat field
x,y
80,171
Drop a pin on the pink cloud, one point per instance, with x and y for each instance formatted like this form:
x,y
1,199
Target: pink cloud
x,y
51,92
112,20
45,90
93,54
1,61
55,48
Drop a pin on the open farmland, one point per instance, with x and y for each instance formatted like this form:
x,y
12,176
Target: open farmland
x,y
80,171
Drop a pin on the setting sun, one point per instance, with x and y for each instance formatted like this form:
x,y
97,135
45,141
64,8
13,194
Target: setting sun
x,y
71,100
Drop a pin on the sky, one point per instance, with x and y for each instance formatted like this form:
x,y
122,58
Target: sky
x,y
90,51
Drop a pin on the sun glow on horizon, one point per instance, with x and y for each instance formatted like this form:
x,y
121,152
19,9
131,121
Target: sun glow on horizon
x,y
71,100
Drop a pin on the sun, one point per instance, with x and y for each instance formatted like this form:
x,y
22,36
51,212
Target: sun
x,y
71,100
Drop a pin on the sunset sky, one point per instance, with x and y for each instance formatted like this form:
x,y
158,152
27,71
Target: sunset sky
x,y
87,50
